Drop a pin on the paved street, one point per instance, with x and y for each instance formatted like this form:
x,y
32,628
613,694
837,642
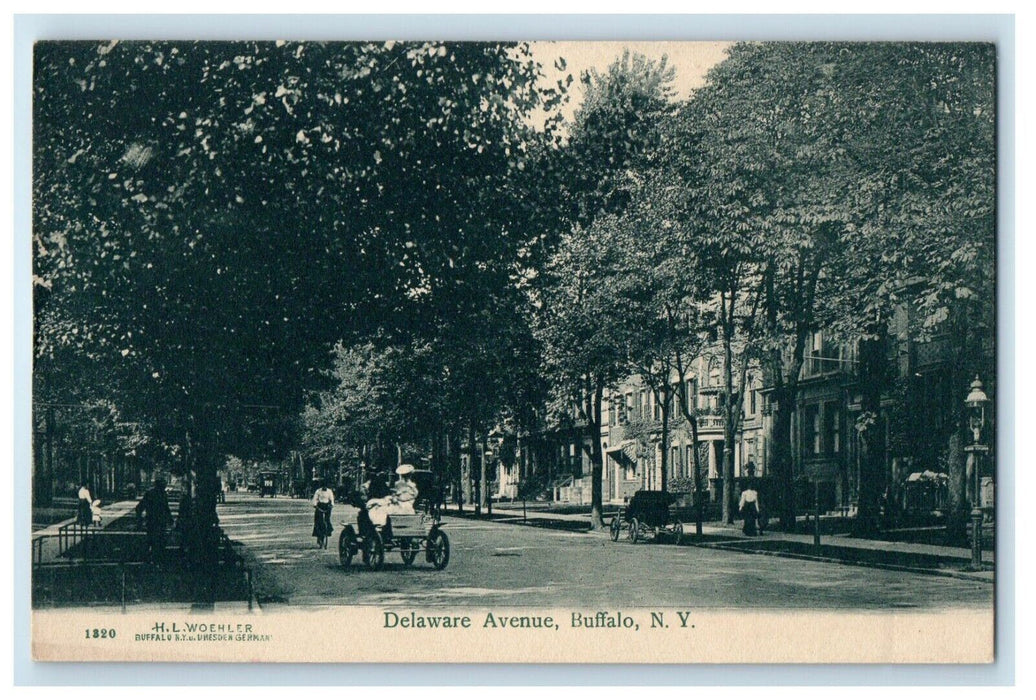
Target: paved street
x,y
501,564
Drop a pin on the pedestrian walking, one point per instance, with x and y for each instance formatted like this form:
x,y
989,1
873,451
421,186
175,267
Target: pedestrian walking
x,y
749,508
323,503
84,508
153,508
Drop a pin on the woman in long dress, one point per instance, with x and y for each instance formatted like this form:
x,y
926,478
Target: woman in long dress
x,y
84,509
399,501
749,508
323,503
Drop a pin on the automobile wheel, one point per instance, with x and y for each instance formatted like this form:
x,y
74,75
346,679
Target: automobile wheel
x,y
346,547
374,551
616,528
439,549
634,530
408,550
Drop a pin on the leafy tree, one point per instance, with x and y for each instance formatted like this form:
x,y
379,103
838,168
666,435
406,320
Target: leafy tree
x,y
923,146
841,173
580,321
721,219
209,218
582,329
765,112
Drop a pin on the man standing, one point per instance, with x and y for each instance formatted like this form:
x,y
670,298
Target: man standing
x,y
154,508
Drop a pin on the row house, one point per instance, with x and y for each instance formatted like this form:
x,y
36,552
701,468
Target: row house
x,y
632,411
558,461
914,422
826,447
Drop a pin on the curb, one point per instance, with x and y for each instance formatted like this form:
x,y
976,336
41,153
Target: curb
x,y
946,573
542,523
533,522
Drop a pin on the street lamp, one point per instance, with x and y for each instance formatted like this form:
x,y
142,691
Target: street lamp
x,y
976,403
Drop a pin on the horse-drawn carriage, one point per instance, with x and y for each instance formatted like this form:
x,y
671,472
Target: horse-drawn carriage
x,y
407,533
647,513
267,484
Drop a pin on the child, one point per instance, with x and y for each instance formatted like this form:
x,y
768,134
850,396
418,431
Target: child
x,y
95,511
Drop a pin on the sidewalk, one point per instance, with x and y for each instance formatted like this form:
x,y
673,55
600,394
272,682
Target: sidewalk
x,y
731,538
868,551
49,546
110,570
508,515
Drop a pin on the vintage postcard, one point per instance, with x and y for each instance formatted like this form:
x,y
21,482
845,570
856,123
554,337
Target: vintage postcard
x,y
617,352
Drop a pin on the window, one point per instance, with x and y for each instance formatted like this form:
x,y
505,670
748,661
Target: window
x,y
629,406
813,429
675,468
832,428
752,405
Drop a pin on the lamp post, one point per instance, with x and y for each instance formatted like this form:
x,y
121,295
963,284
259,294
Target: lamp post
x,y
976,403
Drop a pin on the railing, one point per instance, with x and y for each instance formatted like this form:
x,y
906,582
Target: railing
x,y
710,422
69,557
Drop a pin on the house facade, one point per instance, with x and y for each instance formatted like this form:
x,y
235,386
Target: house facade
x,y
632,441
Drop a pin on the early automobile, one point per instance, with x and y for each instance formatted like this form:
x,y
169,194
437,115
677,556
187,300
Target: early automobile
x,y
647,513
410,534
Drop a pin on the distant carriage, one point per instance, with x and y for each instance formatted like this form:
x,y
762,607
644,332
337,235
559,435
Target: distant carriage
x,y
649,513
267,484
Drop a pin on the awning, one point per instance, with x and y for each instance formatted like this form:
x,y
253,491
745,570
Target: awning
x,y
625,454
562,481
928,475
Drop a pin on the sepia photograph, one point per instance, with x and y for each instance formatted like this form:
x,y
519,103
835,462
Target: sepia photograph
x,y
595,351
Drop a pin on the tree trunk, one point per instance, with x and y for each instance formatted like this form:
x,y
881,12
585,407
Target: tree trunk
x,y
873,376
728,476
782,462
483,479
666,405
699,498
729,425
958,510
472,495
39,470
596,461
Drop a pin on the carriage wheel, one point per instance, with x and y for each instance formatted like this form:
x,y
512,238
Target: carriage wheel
x,y
616,528
678,532
408,550
634,530
439,549
374,551
346,547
